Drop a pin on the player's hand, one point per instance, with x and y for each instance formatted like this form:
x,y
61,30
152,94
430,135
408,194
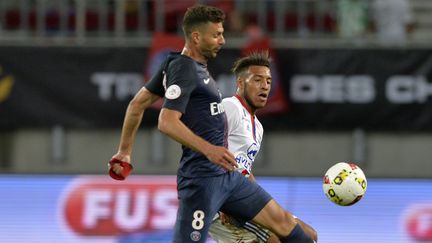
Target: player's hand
x,y
221,156
119,167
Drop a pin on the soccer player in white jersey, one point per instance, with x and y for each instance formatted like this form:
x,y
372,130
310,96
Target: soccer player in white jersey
x,y
245,134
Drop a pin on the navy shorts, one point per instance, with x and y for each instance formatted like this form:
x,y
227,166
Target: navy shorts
x,y
201,198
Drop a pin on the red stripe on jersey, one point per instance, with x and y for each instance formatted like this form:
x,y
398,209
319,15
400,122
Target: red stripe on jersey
x,y
252,116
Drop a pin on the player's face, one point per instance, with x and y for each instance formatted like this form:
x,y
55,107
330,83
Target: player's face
x,y
256,86
211,40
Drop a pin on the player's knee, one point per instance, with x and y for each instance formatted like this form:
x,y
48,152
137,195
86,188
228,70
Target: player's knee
x,y
314,235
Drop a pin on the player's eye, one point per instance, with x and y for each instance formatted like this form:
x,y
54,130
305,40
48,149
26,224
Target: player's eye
x,y
218,34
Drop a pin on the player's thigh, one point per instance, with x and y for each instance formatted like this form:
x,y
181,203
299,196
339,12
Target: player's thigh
x,y
198,203
228,233
246,199
274,217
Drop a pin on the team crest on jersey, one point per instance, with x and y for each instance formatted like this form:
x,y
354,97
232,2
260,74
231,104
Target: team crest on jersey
x,y
173,92
252,151
195,236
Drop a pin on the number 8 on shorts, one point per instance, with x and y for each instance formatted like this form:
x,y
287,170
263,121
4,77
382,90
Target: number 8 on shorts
x,y
198,220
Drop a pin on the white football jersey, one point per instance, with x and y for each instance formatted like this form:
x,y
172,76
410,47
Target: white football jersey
x,y
244,140
245,133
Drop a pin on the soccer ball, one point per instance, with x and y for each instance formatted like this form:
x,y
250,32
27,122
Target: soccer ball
x,y
344,183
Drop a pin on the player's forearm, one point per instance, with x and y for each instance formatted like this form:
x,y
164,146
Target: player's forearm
x,y
178,131
131,123
182,134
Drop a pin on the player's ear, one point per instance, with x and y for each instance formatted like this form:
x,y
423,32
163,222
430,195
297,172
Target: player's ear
x,y
195,37
240,82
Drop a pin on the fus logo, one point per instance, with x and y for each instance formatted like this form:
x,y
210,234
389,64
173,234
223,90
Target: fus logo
x,y
216,108
252,151
97,207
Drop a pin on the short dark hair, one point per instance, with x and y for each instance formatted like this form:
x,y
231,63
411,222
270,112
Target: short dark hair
x,y
201,14
256,58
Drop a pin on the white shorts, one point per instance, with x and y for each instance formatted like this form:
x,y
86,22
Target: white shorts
x,y
229,233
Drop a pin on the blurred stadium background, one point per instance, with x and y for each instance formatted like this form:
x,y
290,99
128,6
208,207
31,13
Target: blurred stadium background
x,y
351,83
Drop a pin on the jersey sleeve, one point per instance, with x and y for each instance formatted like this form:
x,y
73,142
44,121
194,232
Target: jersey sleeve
x,y
233,115
155,84
180,84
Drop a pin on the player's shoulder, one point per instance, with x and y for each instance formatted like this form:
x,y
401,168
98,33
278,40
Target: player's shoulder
x,y
233,108
231,103
181,61
170,57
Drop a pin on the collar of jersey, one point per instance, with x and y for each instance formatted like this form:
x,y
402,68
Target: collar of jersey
x,y
252,116
200,63
244,105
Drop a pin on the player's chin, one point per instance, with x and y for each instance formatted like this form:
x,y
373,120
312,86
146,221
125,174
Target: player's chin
x,y
260,104
215,52
210,55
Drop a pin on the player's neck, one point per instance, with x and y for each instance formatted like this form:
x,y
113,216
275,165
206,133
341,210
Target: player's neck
x,y
194,54
245,104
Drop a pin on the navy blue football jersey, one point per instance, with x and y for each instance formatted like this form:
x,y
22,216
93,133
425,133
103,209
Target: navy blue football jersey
x,y
191,90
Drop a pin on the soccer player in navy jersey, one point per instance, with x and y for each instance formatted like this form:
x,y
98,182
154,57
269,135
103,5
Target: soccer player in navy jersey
x,y
193,115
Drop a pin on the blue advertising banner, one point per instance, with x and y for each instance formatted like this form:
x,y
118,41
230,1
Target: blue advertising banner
x,y
83,209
